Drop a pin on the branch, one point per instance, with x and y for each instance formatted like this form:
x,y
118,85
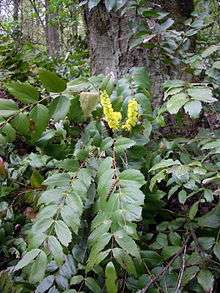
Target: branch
x,y
163,271
38,14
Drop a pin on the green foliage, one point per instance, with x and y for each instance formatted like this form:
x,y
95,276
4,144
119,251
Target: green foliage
x,y
87,209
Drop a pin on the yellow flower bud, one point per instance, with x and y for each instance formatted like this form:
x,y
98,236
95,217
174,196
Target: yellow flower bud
x,y
132,115
113,118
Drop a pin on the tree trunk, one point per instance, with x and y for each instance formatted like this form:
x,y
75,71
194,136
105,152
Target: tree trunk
x,y
52,32
17,30
109,38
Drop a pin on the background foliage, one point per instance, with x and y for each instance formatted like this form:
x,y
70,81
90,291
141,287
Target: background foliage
x,y
84,208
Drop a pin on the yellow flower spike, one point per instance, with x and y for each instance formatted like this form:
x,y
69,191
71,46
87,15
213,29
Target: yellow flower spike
x,y
113,118
132,115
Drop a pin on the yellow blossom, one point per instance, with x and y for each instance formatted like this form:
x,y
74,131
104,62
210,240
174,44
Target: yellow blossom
x,y
132,115
113,118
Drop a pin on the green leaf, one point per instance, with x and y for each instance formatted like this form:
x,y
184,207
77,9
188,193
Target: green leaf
x,y
210,50
60,179
176,102
211,219
106,143
189,274
157,178
56,249
42,225
59,108
164,164
52,82
45,284
68,165
8,132
111,278
76,280
132,178
206,280
217,250
36,239
7,107
173,84
27,258
152,258
38,268
105,183
63,232
124,260
169,251
24,92
123,143
182,196
140,78
127,243
211,145
39,116
206,243
193,210
96,259
21,124
193,108
203,94
92,285
36,179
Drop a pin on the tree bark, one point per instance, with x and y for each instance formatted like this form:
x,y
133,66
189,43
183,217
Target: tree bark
x,y
109,36
17,30
52,32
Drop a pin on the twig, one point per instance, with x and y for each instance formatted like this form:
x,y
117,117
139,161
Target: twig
x,y
182,270
162,272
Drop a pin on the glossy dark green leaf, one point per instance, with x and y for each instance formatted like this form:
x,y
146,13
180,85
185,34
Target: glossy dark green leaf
x,y
24,92
52,82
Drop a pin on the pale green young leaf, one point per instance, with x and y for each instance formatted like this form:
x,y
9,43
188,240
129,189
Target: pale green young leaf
x,y
111,278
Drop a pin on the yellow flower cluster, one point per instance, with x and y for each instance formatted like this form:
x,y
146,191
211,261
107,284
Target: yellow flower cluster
x,y
132,115
113,118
